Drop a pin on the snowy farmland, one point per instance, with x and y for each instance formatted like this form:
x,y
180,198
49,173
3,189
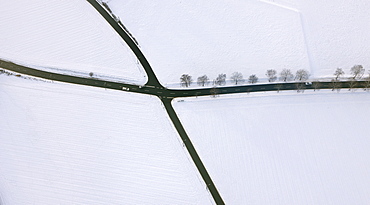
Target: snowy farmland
x,y
69,144
249,36
65,37
284,148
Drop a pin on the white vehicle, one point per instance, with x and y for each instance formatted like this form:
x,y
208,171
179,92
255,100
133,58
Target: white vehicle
x,y
124,88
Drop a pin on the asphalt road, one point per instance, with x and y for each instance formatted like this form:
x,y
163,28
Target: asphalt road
x,y
166,95
152,78
193,153
153,87
162,92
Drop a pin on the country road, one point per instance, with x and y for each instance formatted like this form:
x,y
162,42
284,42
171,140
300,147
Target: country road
x,y
163,92
153,87
152,78
167,95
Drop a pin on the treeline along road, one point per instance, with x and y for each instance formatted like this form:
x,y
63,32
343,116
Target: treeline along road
x,y
153,87
163,92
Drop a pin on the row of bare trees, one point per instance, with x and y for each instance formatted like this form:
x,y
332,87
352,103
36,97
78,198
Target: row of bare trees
x,y
357,72
287,75
237,78
186,80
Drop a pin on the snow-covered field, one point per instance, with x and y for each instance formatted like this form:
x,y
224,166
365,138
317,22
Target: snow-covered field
x,y
249,36
337,34
69,144
284,148
195,37
67,36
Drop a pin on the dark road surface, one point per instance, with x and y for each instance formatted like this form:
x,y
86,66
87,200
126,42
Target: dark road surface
x,y
165,93
153,87
193,153
152,78
166,96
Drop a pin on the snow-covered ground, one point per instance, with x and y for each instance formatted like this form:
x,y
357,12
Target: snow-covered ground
x,y
212,37
70,144
337,34
284,148
249,36
68,35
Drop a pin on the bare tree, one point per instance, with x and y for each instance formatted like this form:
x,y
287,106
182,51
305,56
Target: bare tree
x,y
335,85
203,80
271,75
300,87
338,73
278,87
357,71
367,84
220,80
253,79
286,75
302,75
214,92
316,85
352,84
237,77
116,18
186,80
106,6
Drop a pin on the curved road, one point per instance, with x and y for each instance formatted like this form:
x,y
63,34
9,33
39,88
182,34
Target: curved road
x,y
166,96
165,93
152,78
153,87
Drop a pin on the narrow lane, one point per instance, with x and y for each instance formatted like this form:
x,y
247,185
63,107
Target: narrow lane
x,y
193,153
153,87
165,93
152,78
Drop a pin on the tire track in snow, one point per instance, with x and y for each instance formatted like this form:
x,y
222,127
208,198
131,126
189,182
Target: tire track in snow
x,y
311,62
